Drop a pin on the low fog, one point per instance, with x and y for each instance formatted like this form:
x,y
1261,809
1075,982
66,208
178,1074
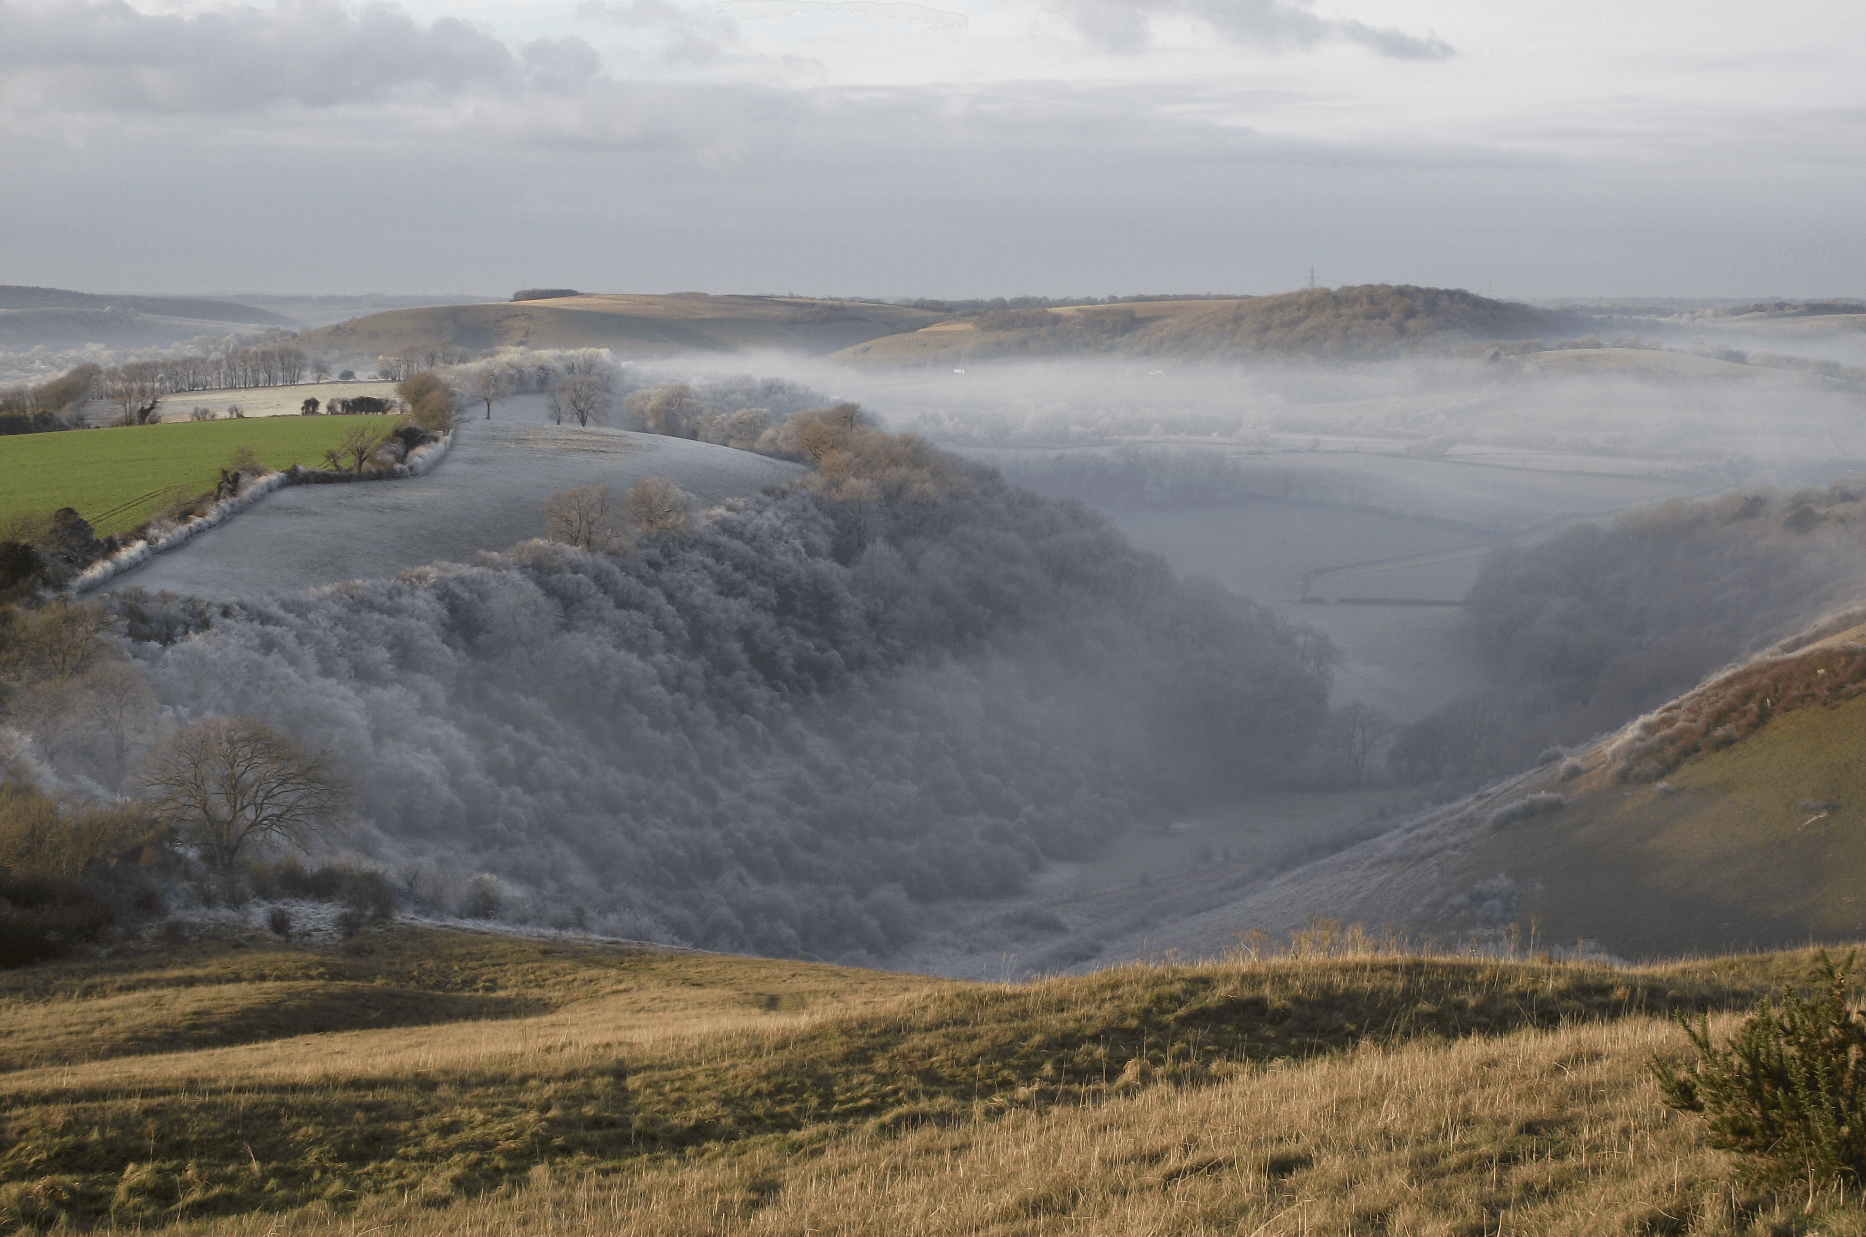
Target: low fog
x,y
1030,663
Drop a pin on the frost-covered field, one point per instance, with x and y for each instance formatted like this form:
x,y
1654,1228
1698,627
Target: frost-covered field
x,y
487,494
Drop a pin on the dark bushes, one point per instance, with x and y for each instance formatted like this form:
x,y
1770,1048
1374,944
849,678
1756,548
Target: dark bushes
x,y
41,919
1789,1091
364,890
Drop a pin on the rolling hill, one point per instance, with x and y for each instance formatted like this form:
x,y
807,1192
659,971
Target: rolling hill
x,y
1373,320
636,326
16,296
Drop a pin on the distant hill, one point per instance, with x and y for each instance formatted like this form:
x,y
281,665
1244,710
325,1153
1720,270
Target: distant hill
x,y
638,326
1370,321
15,296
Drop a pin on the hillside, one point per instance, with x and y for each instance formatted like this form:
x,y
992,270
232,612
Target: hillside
x,y
428,1081
1373,320
1731,818
17,297
636,326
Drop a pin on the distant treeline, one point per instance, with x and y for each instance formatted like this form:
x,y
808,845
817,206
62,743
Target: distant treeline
x,y
1604,622
794,728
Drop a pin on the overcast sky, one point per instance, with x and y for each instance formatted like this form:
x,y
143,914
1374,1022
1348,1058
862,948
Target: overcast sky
x,y
948,148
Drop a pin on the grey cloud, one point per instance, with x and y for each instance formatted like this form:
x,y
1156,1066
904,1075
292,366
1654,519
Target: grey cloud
x,y
103,54
1126,26
892,10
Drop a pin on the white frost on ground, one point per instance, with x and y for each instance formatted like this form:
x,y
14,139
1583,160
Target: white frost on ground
x,y
489,496
420,461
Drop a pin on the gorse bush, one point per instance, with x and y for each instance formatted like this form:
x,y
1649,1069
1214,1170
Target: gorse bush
x,y
1790,1089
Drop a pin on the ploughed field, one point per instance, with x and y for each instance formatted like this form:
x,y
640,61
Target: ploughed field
x,y
431,1081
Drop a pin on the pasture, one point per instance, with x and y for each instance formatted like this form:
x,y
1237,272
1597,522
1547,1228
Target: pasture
x,y
427,1081
116,477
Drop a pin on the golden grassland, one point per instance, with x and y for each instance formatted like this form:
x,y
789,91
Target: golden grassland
x,y
115,477
635,325
434,1081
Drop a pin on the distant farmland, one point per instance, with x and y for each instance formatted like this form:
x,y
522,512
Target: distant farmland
x,y
115,477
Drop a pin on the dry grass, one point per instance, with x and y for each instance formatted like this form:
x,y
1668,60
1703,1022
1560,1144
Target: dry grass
x,y
470,1083
1541,1132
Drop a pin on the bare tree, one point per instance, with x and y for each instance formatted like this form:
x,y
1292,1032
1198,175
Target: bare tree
x,y
356,449
586,516
658,507
121,706
492,382
583,396
224,783
136,390
1355,732
62,640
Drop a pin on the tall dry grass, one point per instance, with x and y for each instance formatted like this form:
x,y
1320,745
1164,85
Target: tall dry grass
x,y
1541,1132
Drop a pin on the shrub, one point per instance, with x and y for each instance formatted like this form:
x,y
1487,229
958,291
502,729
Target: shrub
x,y
280,921
1533,805
365,891
482,899
1789,1090
41,919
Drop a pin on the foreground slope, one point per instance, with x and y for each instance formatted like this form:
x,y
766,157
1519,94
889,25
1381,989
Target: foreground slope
x,y
436,1081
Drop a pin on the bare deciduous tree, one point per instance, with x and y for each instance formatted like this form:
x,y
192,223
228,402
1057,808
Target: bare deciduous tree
x,y
658,507
356,449
586,516
491,383
62,640
583,396
121,705
1355,732
225,783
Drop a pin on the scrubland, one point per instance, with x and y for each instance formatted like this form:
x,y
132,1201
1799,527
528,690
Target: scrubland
x,y
430,1081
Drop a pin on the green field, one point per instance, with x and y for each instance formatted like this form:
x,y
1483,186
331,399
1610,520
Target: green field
x,y
114,477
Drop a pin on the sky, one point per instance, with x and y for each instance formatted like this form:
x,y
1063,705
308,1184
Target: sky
x,y
953,148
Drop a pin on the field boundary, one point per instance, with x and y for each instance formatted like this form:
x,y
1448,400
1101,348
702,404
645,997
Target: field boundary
x,y
420,461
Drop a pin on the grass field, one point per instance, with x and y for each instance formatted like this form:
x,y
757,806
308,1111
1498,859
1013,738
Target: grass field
x,y
115,477
436,1082
253,401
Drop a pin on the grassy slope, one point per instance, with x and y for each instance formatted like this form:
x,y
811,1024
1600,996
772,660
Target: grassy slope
x,y
15,296
638,326
114,477
1761,844
505,1080
1375,320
